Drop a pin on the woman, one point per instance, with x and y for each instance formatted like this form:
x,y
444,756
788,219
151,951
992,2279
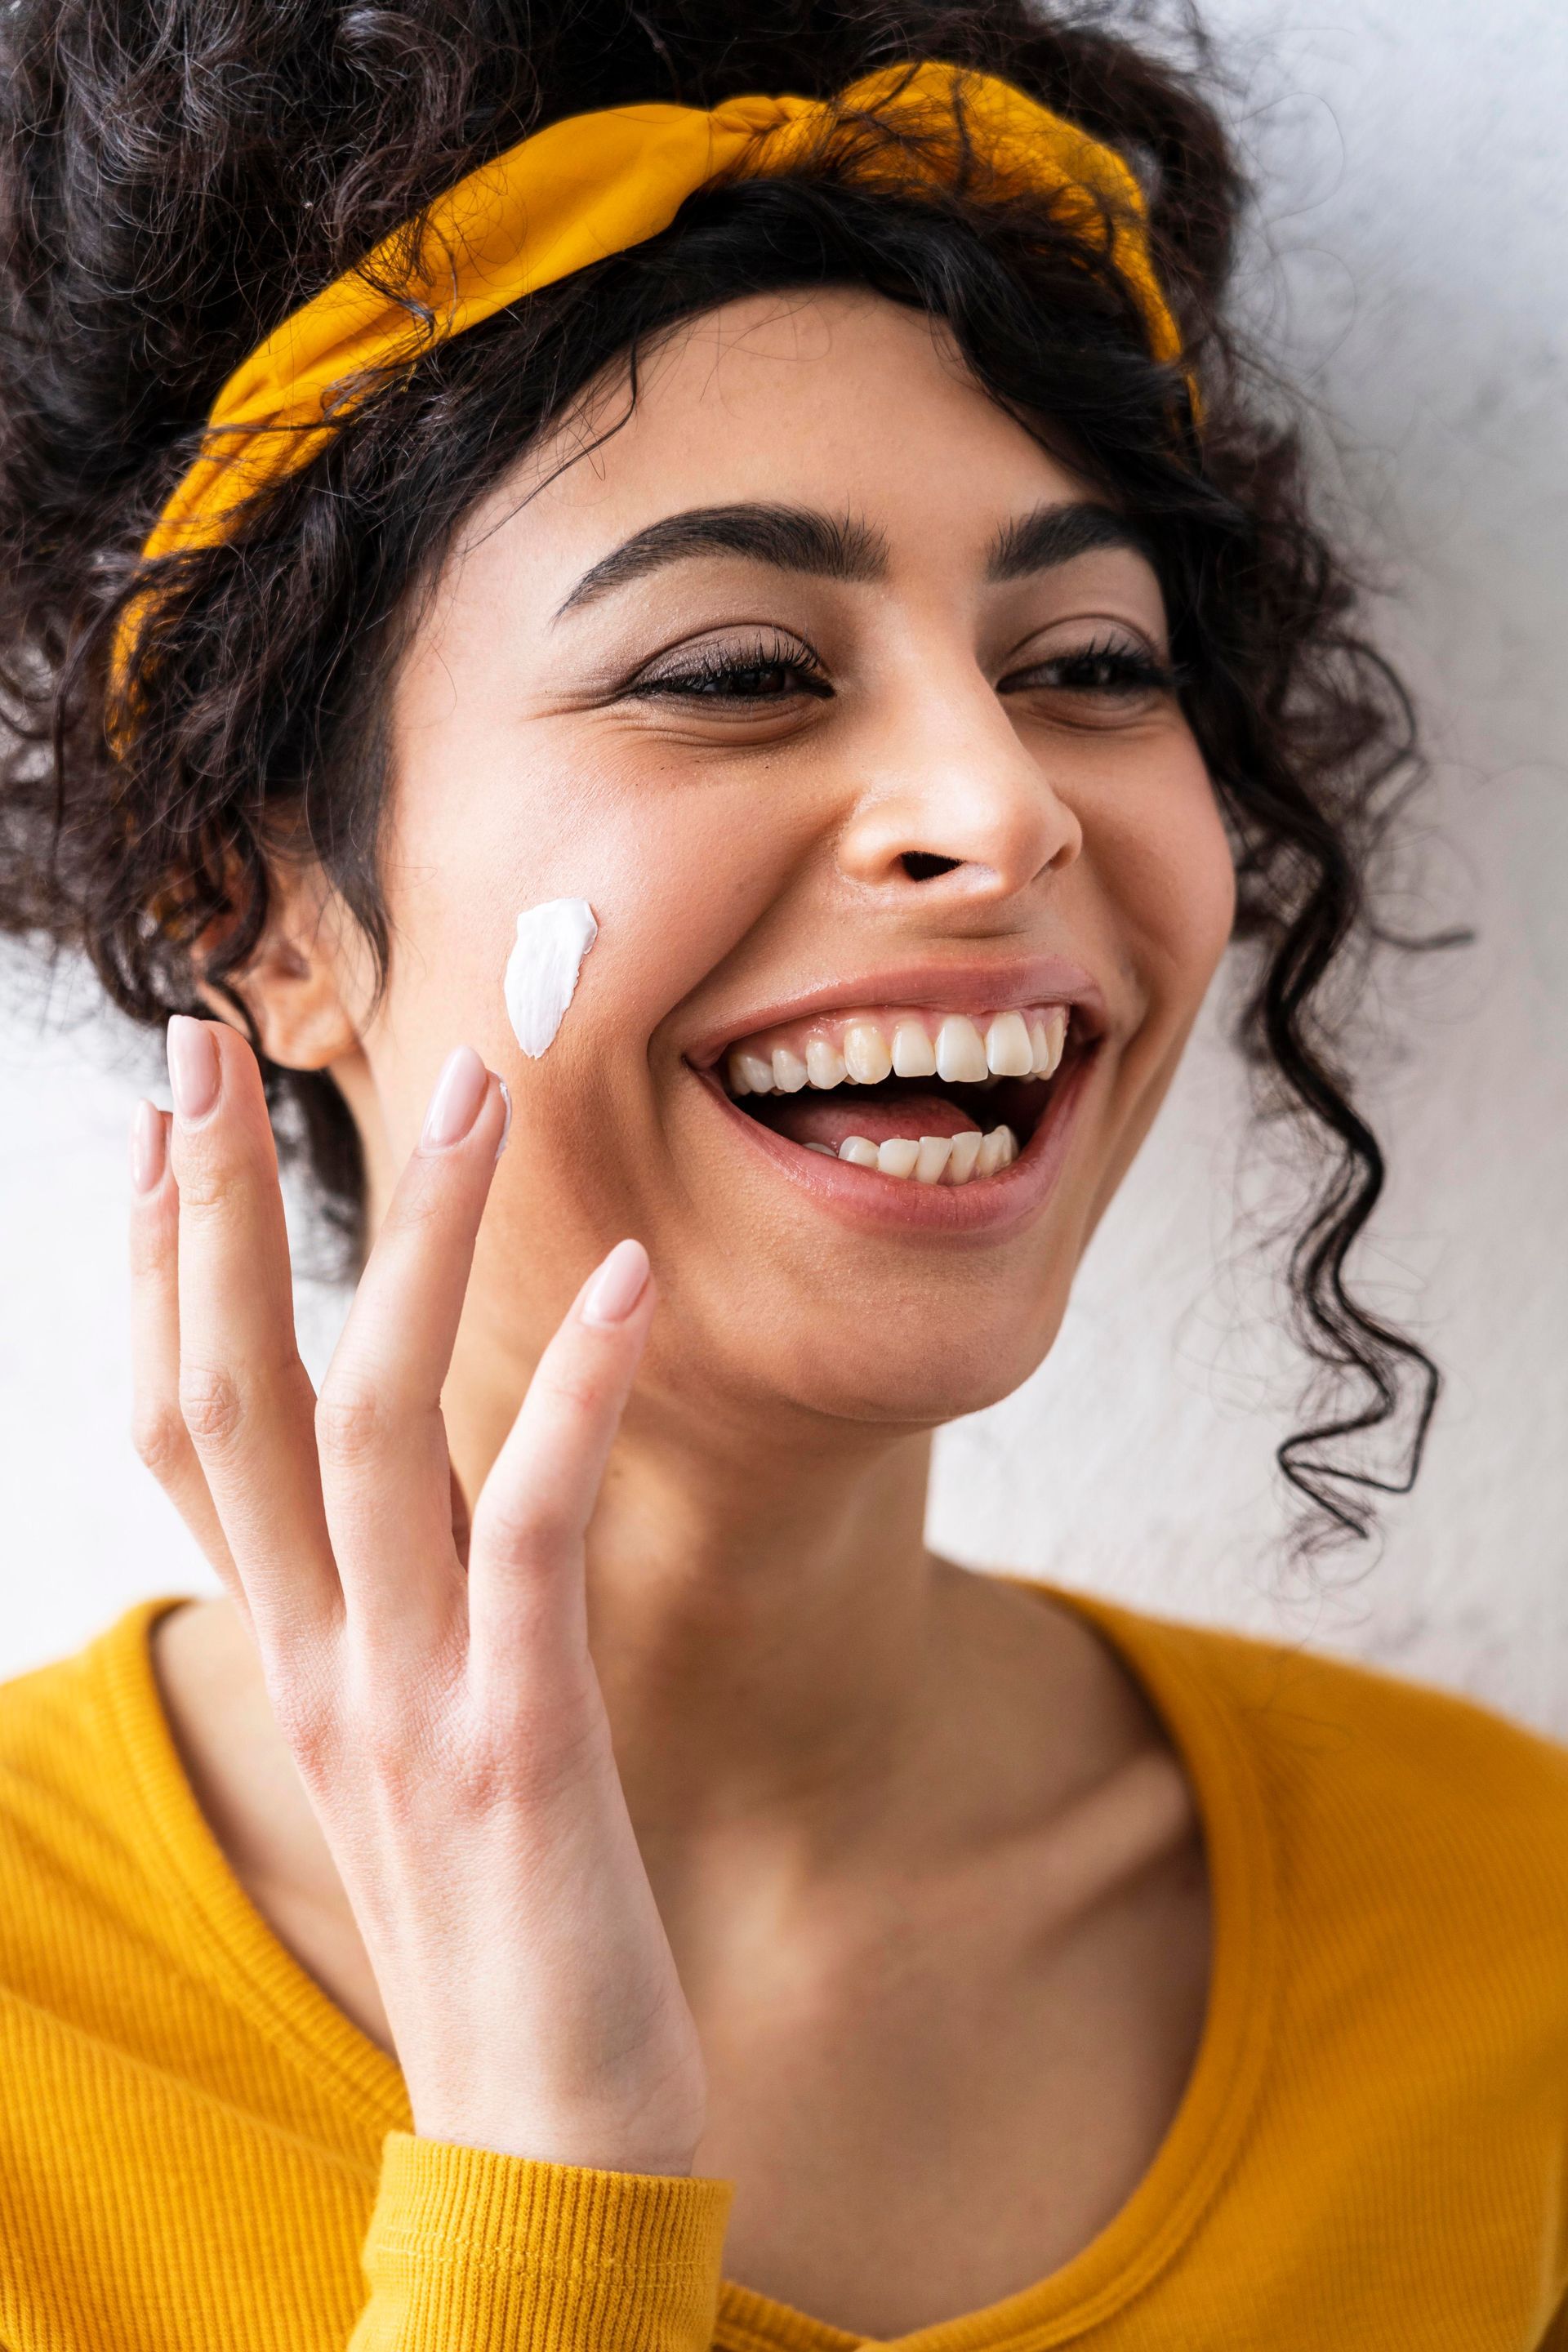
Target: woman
x,y
716,706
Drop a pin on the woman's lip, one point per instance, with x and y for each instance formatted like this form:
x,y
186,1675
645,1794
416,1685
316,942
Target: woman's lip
x,y
976,985
986,1206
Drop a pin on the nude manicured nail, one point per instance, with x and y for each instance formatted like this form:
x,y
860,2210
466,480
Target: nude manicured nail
x,y
617,1285
149,1149
193,1074
460,1092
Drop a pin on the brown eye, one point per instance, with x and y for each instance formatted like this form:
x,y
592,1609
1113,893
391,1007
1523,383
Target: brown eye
x,y
770,672
1108,671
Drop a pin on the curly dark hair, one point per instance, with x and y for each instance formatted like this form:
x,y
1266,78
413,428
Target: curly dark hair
x,y
180,175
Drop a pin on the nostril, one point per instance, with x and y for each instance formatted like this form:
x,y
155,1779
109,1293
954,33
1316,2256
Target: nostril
x,y
920,866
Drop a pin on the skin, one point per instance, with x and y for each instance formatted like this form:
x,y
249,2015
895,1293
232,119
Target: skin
x,y
734,1830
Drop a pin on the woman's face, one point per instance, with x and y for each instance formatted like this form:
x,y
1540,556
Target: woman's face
x,y
818,682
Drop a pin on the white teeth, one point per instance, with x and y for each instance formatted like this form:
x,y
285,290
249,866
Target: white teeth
x,y
825,1065
866,1053
1007,1049
1015,1044
998,1150
915,1056
958,1158
826,1149
959,1055
1047,1036
935,1150
966,1152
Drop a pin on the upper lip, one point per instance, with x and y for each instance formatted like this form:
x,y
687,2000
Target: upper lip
x,y
974,985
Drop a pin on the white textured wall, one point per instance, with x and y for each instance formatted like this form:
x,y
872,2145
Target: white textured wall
x,y
1417,186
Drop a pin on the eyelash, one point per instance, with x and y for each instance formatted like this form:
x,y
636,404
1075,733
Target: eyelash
x,y
717,665
1123,670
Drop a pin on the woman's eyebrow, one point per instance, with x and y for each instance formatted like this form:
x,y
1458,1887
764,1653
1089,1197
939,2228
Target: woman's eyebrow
x,y
831,546
792,539
1057,535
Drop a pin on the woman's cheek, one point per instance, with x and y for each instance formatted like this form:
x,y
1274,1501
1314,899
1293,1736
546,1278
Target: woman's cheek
x,y
1170,867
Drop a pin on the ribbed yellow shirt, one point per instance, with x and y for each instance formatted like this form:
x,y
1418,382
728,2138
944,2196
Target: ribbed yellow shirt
x,y
199,2153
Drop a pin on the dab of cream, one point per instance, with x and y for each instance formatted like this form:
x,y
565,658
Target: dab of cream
x,y
542,968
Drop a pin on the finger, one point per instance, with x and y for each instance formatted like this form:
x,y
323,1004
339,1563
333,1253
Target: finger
x,y
157,1425
245,1395
386,1479
525,1560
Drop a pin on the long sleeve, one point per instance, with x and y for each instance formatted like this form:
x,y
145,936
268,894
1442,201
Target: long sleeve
x,y
471,2252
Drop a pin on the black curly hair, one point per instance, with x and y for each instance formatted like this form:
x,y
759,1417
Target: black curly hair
x,y
179,174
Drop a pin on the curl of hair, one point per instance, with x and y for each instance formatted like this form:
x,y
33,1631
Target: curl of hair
x,y
177,177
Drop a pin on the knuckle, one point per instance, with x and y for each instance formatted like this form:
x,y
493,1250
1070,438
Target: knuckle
x,y
210,1404
576,1392
418,1200
206,1178
303,1692
525,1529
307,1727
351,1425
161,1437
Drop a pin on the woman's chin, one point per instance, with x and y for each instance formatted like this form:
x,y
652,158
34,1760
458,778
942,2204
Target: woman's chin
x,y
903,1372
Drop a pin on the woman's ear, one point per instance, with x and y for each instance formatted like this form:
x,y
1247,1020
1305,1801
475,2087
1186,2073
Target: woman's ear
x,y
307,987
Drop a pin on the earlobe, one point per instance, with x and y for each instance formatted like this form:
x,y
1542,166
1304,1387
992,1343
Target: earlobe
x,y
304,986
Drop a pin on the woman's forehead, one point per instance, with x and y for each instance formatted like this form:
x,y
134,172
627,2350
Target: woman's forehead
x,y
840,402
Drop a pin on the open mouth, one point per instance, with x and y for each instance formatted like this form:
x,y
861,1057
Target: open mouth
x,y
920,1096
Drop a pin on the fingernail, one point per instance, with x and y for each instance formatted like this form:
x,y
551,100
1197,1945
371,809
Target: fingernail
x,y
617,1285
506,1123
192,1066
459,1091
149,1150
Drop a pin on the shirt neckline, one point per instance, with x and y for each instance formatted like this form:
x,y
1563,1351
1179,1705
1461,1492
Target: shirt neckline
x,y
283,2001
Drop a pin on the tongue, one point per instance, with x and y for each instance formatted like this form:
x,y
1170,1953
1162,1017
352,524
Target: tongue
x,y
810,1117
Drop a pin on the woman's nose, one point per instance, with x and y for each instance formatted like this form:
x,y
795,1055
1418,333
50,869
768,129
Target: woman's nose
x,y
963,805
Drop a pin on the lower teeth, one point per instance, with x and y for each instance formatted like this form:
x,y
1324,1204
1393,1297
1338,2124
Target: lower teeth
x,y
933,1158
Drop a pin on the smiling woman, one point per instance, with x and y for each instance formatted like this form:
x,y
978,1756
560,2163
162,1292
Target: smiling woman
x,y
782,505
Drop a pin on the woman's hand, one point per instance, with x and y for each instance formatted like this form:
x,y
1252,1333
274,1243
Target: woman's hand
x,y
447,1721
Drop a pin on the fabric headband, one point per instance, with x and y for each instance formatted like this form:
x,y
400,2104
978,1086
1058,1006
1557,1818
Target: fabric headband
x,y
593,185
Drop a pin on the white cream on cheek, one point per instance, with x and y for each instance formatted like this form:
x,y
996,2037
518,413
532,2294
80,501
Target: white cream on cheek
x,y
542,968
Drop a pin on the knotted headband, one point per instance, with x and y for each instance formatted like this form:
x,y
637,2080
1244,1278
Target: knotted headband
x,y
593,185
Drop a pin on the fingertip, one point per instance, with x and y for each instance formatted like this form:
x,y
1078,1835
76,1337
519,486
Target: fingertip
x,y
149,1143
616,1286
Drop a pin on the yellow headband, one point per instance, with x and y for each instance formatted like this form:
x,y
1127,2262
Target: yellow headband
x,y
596,183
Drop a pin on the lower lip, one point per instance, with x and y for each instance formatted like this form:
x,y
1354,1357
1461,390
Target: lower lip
x,y
986,1206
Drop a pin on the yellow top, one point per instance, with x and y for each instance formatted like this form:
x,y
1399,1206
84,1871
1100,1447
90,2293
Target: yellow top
x,y
197,2150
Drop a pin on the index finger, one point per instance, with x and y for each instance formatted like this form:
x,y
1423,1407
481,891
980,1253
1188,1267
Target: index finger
x,y
525,1559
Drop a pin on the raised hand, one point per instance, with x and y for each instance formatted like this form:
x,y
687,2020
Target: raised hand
x,y
446,1718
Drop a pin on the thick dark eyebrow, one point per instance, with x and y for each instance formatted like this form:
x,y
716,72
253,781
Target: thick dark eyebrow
x,y
792,539
800,538
1053,535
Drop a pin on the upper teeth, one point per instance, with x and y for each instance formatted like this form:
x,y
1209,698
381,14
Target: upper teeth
x,y
866,1048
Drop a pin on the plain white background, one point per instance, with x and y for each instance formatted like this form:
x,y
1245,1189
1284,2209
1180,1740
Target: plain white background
x,y
1415,186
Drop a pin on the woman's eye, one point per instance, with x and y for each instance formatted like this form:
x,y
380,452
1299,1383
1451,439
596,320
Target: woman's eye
x,y
775,672
1107,673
